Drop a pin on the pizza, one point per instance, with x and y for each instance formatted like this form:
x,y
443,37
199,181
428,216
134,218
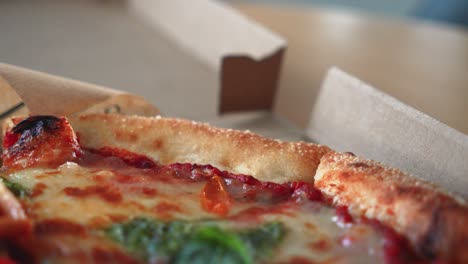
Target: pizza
x,y
102,188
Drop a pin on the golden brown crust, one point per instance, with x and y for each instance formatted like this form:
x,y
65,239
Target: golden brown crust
x,y
125,104
435,223
168,140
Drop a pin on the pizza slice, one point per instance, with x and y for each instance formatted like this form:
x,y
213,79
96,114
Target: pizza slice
x,y
110,188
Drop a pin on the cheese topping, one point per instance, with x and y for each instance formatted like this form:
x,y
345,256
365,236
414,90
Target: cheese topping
x,y
100,191
111,205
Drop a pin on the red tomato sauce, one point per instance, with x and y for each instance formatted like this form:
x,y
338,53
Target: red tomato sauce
x,y
38,189
40,141
109,193
106,255
49,141
343,214
166,209
396,247
223,188
130,158
59,226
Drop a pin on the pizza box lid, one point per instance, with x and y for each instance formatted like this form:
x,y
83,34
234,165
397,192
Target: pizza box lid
x,y
350,115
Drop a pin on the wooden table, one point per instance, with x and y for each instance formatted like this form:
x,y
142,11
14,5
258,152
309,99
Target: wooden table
x,y
424,65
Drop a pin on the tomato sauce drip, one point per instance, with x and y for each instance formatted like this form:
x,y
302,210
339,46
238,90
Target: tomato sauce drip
x,y
130,158
294,190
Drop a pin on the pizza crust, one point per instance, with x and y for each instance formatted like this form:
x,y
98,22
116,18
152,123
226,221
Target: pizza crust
x,y
168,140
433,221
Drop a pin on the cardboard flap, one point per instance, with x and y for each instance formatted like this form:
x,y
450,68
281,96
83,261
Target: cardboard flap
x,y
245,56
48,94
209,29
248,84
350,115
9,100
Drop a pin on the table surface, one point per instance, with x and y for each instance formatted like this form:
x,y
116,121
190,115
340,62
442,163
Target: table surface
x,y
422,64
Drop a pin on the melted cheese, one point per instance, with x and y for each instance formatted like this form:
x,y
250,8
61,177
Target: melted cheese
x,y
95,196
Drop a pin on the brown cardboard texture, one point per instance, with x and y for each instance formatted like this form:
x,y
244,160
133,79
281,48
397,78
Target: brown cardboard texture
x,y
48,94
235,53
10,102
350,115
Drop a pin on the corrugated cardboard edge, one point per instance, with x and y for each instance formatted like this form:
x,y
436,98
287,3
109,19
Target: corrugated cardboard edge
x,y
27,92
9,99
246,56
47,94
350,115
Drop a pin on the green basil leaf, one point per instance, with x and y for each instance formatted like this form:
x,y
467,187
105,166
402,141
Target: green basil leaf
x,y
195,241
212,245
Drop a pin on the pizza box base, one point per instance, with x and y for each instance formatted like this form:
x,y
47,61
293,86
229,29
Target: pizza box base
x,y
131,51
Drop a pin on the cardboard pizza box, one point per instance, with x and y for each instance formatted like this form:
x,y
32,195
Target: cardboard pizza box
x,y
414,81
218,61
243,57
174,53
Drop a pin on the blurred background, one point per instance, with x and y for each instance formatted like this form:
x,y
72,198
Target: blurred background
x,y
172,53
414,50
453,12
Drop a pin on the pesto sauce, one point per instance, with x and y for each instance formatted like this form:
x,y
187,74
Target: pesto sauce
x,y
195,242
